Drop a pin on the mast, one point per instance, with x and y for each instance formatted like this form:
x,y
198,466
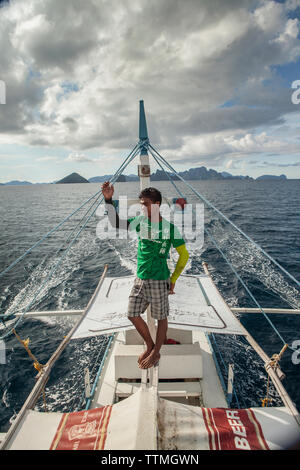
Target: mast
x,y
144,175
144,167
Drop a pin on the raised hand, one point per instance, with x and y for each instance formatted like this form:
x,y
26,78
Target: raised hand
x,y
107,190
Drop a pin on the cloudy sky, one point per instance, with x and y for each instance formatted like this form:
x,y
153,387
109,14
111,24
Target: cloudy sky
x,y
215,76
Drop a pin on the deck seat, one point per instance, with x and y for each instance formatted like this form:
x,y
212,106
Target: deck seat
x,y
178,361
165,389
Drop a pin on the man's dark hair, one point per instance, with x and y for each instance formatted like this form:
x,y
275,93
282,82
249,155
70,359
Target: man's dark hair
x,y
151,193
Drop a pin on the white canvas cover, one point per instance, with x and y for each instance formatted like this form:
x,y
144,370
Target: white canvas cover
x,y
186,427
146,422
196,305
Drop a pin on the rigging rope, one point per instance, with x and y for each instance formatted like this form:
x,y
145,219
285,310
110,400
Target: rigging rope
x,y
54,229
6,270
220,250
274,364
128,160
224,217
99,195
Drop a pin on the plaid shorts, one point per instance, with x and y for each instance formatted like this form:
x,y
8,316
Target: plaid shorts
x,y
149,291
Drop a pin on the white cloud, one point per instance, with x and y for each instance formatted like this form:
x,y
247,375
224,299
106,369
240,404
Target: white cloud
x,y
213,149
78,158
270,17
212,41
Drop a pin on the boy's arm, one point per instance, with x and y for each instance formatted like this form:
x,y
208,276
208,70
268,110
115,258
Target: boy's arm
x,y
113,216
181,262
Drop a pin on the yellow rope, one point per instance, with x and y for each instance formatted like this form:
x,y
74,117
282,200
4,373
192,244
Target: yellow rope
x,y
273,363
36,363
265,401
25,343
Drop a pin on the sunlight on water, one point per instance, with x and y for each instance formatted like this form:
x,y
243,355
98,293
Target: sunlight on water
x,y
251,264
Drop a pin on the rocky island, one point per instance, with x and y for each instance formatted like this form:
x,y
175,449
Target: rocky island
x,y
72,178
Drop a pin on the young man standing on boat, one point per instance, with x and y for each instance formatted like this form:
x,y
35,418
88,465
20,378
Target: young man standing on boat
x,y
153,283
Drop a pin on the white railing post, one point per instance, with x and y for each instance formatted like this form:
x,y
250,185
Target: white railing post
x,y
230,383
87,383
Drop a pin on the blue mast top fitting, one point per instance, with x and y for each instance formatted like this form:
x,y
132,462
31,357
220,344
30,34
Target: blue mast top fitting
x,y
143,133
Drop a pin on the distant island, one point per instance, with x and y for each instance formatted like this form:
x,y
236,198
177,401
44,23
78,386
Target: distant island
x,y
101,179
199,173
76,178
16,183
72,178
272,177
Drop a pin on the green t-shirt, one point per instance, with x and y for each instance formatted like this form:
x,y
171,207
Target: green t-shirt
x,y
155,240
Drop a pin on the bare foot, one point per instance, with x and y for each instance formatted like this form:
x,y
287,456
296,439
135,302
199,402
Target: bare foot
x,y
150,361
145,353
